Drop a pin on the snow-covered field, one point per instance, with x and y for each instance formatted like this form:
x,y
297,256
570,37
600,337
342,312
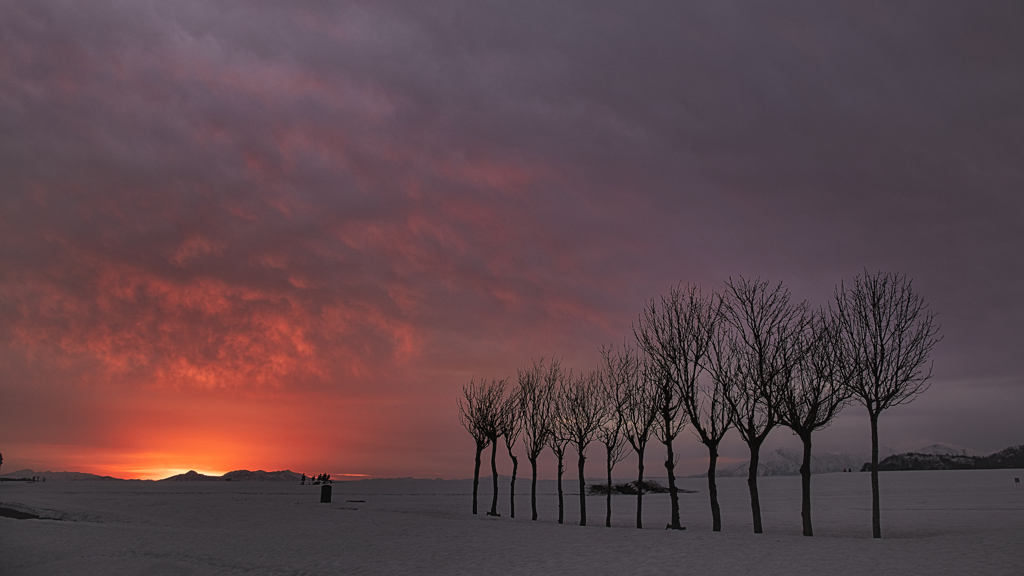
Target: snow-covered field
x,y
937,522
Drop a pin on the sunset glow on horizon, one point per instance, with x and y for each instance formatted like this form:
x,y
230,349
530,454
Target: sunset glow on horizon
x,y
284,237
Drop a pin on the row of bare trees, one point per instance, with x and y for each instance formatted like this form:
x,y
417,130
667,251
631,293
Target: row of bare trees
x,y
748,358
549,407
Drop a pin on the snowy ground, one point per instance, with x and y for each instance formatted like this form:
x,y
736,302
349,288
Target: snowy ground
x,y
948,522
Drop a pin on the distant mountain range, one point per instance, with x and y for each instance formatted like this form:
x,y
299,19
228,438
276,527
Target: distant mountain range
x,y
939,449
786,462
1012,457
191,475
55,476
238,476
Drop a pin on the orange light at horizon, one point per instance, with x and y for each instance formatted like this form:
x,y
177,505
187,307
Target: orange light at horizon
x,y
146,465
166,473
154,436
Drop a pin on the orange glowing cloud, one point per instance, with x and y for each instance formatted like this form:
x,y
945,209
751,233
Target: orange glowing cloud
x,y
206,332
236,260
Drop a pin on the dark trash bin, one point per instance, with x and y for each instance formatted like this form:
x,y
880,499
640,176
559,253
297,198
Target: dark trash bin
x,y
325,493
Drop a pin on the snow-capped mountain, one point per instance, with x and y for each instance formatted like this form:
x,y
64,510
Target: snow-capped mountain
x,y
786,462
939,450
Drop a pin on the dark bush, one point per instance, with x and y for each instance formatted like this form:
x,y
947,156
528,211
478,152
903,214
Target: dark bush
x,y
649,487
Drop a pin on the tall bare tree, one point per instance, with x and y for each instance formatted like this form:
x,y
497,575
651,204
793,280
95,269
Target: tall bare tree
x,y
615,377
583,411
754,355
703,395
510,426
815,395
889,332
639,411
706,406
669,424
477,408
559,439
536,412
492,428
675,332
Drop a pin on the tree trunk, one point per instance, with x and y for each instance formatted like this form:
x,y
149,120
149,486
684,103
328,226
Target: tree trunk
x,y
673,492
805,486
494,475
583,492
640,491
876,517
716,512
476,475
561,504
533,487
755,502
512,488
608,499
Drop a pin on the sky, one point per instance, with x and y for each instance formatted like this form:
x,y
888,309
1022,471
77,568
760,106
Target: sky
x,y
270,235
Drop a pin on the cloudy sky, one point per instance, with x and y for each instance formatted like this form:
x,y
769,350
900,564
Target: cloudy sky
x,y
253,234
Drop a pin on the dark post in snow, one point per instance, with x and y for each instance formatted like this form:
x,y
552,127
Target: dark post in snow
x,y
325,494
815,395
889,333
760,328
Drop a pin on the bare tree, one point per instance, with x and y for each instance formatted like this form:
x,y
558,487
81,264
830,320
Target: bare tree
x,y
495,393
559,439
617,372
753,358
476,412
536,406
582,412
815,395
675,333
706,406
669,425
510,426
703,395
889,333
639,411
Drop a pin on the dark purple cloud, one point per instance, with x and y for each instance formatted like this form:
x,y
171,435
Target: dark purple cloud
x,y
344,210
